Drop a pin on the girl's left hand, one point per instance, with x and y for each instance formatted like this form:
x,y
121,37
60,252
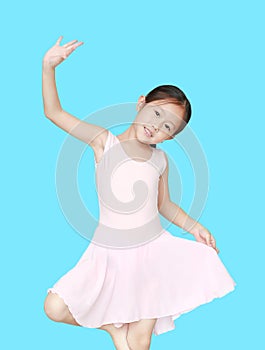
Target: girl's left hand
x,y
203,235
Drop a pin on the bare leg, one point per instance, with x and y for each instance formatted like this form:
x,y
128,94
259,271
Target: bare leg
x,y
131,336
57,310
140,334
118,335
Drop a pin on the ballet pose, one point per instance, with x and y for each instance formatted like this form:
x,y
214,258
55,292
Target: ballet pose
x,y
134,278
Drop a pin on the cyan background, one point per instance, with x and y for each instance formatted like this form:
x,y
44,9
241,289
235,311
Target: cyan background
x,y
214,51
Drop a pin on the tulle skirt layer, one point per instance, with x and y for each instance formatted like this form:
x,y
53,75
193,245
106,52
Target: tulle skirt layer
x,y
162,279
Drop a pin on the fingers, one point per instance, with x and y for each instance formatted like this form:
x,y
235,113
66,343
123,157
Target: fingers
x,y
213,241
213,244
208,239
70,49
79,44
69,44
59,40
74,46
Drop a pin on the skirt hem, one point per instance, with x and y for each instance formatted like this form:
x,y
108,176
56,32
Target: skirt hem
x,y
172,315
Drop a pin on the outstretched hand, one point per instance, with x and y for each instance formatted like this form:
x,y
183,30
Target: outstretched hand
x,y
204,236
57,54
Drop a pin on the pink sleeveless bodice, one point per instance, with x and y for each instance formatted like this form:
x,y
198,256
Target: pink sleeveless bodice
x,y
127,195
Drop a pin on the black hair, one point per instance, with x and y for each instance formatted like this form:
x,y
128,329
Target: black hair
x,y
171,94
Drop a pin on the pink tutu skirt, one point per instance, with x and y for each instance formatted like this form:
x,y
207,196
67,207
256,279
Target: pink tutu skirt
x,y
163,279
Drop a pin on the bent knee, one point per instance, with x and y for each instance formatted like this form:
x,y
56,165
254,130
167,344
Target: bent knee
x,y
54,307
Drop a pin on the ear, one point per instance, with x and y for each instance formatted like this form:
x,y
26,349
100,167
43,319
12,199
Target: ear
x,y
140,103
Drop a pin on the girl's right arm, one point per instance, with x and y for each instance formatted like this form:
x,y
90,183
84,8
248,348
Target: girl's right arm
x,y
91,134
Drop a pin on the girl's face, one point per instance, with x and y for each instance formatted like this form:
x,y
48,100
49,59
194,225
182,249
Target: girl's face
x,y
158,120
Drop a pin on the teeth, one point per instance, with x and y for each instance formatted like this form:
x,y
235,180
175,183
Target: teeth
x,y
148,131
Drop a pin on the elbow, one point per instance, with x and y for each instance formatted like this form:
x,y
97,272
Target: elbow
x,y
47,113
51,114
164,208
161,211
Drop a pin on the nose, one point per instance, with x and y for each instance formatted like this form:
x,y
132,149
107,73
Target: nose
x,y
154,127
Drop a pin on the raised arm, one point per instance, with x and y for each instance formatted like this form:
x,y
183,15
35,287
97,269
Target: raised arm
x,y
91,134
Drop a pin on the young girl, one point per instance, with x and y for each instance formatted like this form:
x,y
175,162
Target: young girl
x,y
135,278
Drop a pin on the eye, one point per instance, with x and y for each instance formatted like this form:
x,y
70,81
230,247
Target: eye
x,y
157,113
167,126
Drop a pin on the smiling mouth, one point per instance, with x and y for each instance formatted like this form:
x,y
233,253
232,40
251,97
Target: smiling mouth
x,y
148,132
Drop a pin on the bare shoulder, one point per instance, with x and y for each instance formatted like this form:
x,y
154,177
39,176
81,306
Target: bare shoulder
x,y
164,170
